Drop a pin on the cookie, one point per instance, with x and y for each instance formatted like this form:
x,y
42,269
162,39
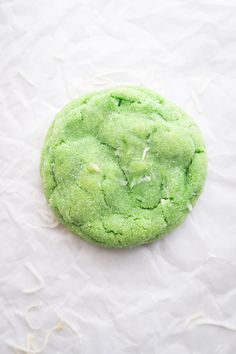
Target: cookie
x,y
123,166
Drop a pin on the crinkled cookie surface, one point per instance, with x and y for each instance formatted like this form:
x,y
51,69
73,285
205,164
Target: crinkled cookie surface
x,y
123,166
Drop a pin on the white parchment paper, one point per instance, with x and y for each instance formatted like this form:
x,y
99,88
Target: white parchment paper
x,y
176,296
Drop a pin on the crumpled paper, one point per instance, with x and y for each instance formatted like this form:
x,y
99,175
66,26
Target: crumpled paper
x,y
175,296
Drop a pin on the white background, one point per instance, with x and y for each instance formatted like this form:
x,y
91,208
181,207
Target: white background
x,y
176,296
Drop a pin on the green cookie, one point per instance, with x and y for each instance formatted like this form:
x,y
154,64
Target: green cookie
x,y
123,166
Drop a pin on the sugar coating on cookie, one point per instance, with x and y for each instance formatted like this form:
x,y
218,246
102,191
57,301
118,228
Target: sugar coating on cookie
x,y
123,166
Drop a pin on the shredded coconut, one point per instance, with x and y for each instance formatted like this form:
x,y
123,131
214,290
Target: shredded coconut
x,y
26,315
37,277
208,322
94,167
193,318
48,218
123,182
137,181
30,338
30,342
69,324
31,347
217,324
164,201
16,351
145,179
189,206
145,152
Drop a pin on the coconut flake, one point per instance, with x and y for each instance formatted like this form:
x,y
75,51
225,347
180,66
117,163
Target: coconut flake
x,y
31,347
145,152
193,318
59,327
145,179
164,201
218,324
69,324
137,181
30,342
205,321
123,182
189,206
94,167
37,277
26,315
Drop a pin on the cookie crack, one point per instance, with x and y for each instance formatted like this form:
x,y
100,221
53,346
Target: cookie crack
x,y
110,231
197,151
116,158
121,99
52,173
150,208
104,194
164,217
124,173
